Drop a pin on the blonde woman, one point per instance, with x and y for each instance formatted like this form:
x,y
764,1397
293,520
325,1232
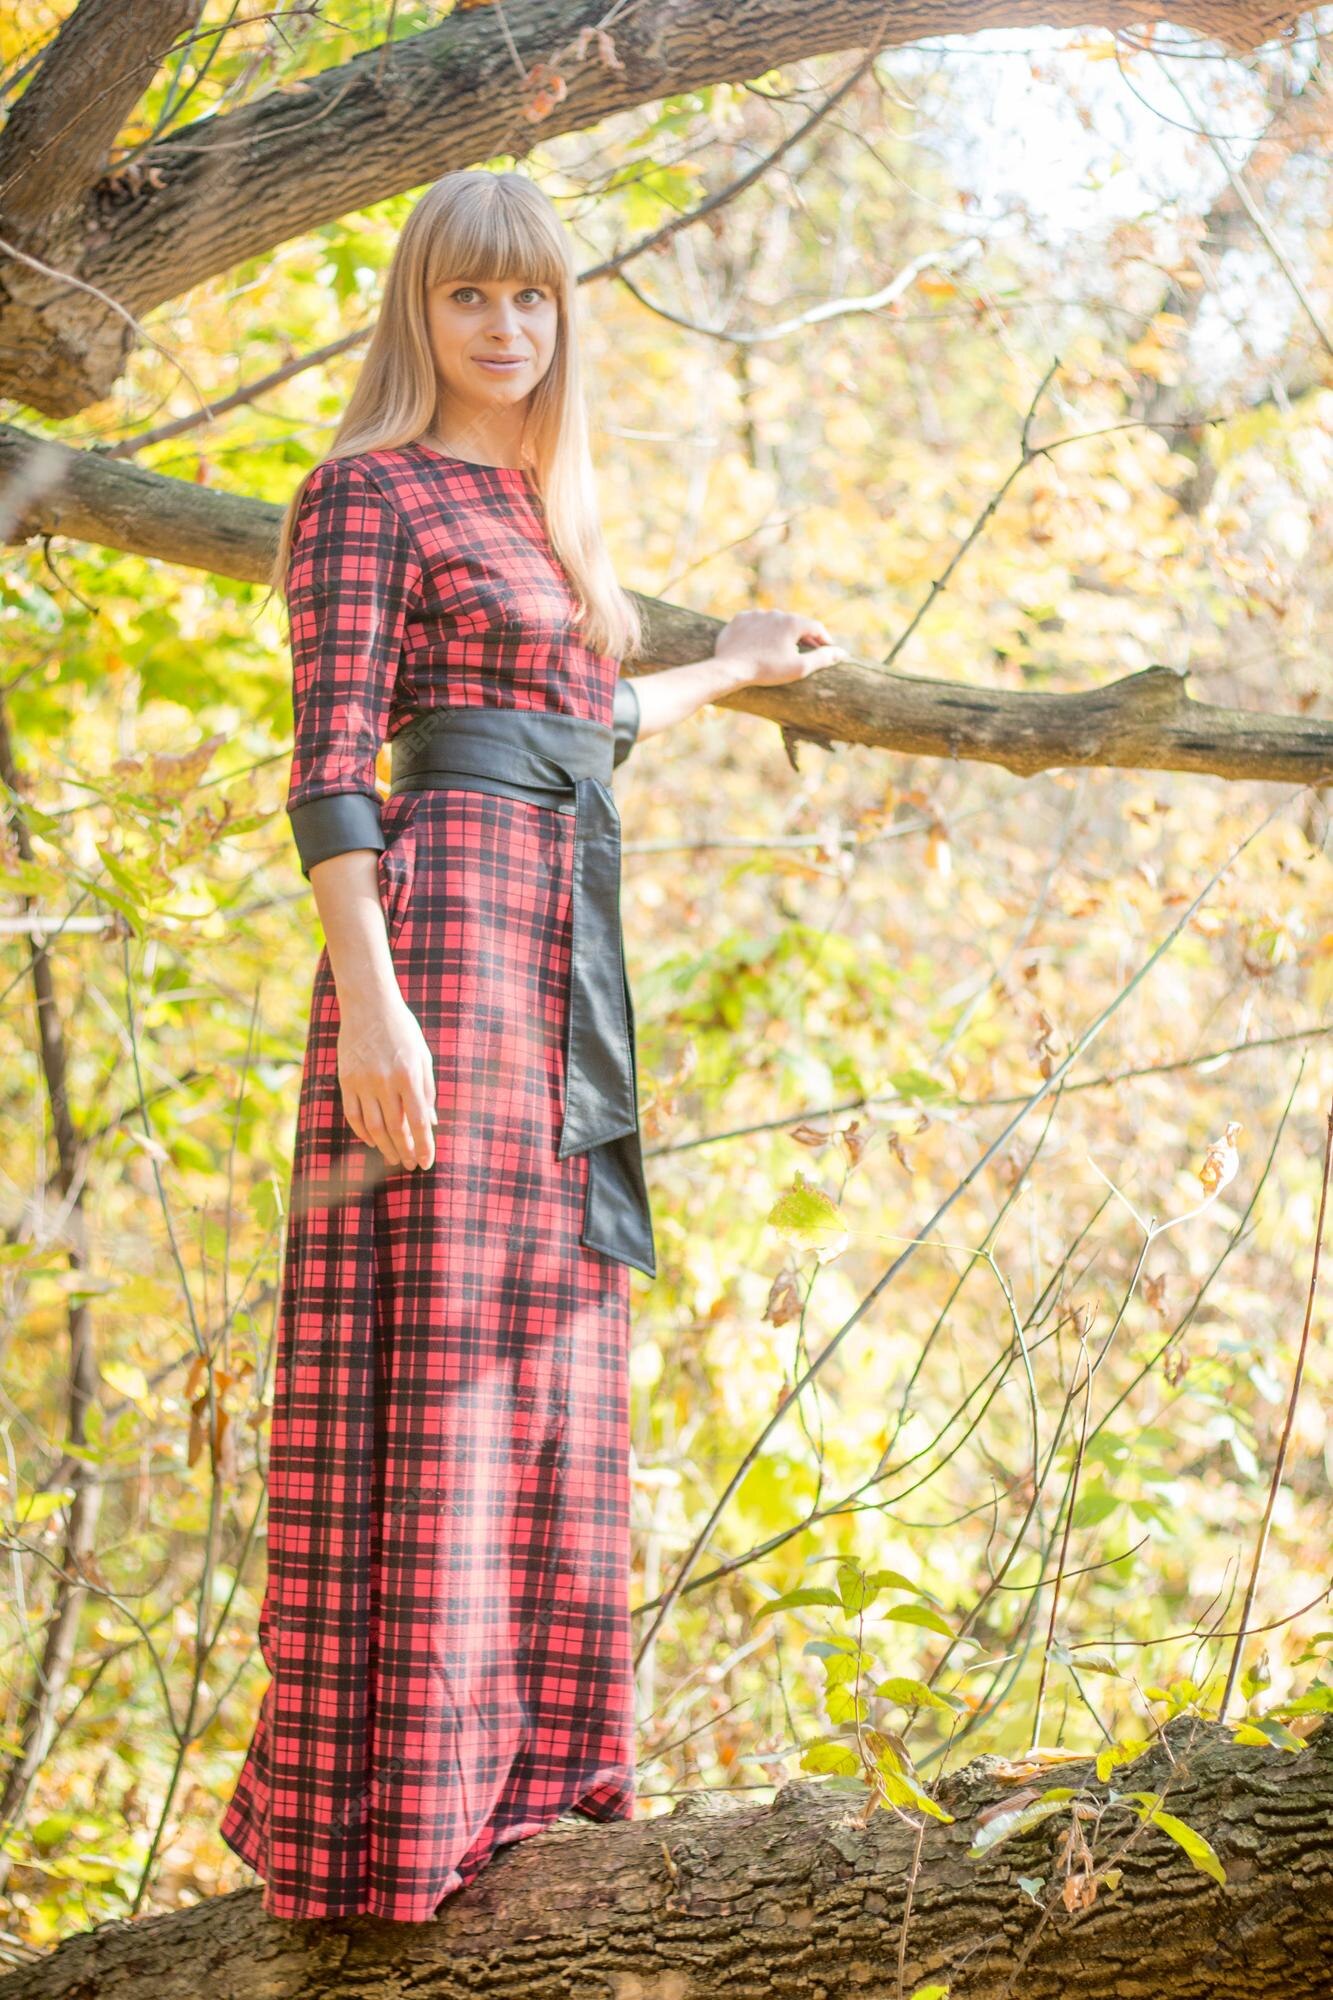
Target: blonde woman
x,y
446,1620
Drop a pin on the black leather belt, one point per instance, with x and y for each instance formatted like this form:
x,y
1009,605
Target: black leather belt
x,y
564,762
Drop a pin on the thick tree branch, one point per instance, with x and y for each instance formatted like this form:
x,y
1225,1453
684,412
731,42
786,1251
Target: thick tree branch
x,y
798,1897
1145,721
59,136
233,187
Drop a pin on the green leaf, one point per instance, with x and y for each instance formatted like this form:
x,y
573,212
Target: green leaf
x,y
808,1594
844,1705
1256,1678
893,1579
1119,1753
1094,1506
917,1083
35,1507
928,1805
1194,1844
915,1694
264,1200
855,1589
1267,1730
806,1214
1317,1700
85,1868
831,1756
53,1827
904,1790
127,1379
842,1665
920,1614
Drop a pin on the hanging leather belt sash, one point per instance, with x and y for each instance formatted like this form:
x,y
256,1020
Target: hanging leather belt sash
x,y
564,762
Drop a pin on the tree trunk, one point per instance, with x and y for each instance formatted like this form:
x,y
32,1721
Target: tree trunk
x,y
721,1900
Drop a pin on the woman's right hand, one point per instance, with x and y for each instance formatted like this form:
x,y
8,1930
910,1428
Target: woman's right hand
x,y
387,1078
765,647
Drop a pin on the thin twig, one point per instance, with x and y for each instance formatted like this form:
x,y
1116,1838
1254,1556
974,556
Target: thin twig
x,y
1276,1481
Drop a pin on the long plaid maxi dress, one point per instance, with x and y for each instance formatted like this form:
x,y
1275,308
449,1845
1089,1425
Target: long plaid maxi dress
x,y
445,1618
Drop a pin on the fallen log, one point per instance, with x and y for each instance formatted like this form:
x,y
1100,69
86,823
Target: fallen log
x,y
800,1898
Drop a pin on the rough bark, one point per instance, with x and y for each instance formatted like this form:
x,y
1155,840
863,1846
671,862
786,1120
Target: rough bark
x,y
1145,721
721,1900
234,186
59,136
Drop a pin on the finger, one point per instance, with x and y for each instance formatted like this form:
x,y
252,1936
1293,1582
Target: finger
x,y
419,1114
808,628
416,1113
397,1128
378,1129
353,1114
401,1128
417,1120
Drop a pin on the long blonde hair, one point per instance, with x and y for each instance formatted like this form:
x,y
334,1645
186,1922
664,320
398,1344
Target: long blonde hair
x,y
476,225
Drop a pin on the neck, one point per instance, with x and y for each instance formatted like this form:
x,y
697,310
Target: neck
x,y
490,439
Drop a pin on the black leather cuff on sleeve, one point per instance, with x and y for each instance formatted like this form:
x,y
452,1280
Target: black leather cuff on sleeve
x,y
324,827
624,719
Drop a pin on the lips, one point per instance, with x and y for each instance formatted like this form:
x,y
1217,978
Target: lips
x,y
499,367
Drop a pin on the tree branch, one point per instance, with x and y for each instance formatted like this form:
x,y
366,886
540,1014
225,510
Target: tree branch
x,y
59,136
235,186
1144,721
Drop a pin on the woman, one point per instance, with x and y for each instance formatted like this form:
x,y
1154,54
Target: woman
x,y
446,1619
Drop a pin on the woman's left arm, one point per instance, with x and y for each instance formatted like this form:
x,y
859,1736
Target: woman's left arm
x,y
756,648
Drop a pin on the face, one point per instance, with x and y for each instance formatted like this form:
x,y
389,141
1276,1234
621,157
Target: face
x,y
492,340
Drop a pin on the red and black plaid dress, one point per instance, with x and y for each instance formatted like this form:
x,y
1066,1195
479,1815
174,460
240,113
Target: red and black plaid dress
x,y
446,1618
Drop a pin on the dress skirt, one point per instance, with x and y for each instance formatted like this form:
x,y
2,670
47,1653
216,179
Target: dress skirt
x,y
446,1614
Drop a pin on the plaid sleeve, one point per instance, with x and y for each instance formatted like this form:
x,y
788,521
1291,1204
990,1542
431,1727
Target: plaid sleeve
x,y
624,719
353,576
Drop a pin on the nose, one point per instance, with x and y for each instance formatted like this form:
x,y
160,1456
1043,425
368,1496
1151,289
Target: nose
x,y
505,319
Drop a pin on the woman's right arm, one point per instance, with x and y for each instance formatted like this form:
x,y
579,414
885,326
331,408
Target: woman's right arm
x,y
385,1070
351,581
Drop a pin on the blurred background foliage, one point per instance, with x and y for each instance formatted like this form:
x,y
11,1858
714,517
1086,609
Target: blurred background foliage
x,y
850,972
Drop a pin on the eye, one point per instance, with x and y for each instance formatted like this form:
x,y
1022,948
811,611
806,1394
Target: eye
x,y
536,291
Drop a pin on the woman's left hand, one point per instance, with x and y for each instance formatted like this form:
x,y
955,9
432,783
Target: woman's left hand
x,y
763,647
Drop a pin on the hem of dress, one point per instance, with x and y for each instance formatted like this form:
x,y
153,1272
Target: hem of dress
x,y
245,1841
